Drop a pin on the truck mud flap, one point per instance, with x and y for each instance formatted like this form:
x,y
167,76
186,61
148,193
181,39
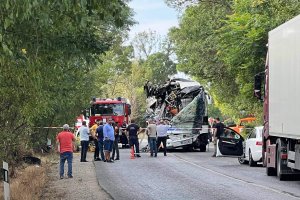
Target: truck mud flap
x,y
271,155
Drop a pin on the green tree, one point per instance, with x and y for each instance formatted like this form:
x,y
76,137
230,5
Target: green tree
x,y
146,43
47,54
224,43
158,67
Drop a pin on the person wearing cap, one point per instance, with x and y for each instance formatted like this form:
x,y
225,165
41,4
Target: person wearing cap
x,y
65,146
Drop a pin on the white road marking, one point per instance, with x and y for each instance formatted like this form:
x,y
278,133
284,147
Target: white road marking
x,y
236,179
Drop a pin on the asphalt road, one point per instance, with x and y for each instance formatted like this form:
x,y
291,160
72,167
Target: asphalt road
x,y
190,175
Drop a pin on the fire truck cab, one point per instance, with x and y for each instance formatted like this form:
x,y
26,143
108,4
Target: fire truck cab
x,y
118,109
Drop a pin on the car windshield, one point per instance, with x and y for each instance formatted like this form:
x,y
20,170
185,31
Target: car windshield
x,y
107,109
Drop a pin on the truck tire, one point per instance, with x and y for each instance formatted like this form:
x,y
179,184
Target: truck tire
x,y
189,148
270,171
279,171
252,163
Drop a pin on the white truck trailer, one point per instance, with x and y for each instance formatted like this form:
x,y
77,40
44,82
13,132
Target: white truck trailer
x,y
281,141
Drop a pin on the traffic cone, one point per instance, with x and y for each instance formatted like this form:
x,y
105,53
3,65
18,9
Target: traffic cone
x,y
132,153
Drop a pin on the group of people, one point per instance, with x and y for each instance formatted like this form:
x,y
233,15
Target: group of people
x,y
157,134
105,137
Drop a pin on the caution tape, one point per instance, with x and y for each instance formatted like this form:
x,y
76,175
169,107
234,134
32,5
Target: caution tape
x,y
53,127
60,127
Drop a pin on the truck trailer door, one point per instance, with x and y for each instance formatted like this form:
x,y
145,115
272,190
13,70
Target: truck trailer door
x,y
230,144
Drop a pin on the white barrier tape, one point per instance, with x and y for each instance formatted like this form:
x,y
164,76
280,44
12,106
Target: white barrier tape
x,y
53,127
146,128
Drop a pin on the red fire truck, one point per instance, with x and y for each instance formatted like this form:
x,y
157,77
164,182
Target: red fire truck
x,y
118,109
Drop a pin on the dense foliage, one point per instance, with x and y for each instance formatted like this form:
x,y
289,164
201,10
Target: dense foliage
x,y
48,52
223,43
56,55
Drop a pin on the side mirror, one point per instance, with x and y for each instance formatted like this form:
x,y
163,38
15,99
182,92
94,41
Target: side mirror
x,y
258,78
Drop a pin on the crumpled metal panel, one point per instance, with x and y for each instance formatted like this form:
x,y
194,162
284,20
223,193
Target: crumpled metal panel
x,y
192,115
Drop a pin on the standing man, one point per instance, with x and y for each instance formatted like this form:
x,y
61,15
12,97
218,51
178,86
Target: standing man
x,y
94,136
123,137
84,141
151,132
162,129
116,142
65,145
109,137
218,131
133,131
100,136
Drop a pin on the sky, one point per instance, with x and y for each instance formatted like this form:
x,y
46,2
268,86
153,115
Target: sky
x,y
154,15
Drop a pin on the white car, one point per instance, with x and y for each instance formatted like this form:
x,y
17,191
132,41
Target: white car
x,y
252,147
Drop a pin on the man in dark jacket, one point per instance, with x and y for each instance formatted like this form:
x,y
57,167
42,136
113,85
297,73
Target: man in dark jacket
x,y
218,131
133,131
99,132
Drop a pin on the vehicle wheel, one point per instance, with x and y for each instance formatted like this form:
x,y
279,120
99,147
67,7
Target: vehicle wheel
x,y
252,163
279,173
242,160
271,171
202,148
188,148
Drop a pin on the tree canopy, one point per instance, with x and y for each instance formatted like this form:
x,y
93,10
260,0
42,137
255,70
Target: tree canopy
x,y
224,43
48,52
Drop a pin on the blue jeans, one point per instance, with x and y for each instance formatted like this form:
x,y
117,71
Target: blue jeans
x,y
100,144
63,157
153,146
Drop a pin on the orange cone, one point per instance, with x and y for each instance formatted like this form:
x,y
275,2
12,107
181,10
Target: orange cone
x,y
132,153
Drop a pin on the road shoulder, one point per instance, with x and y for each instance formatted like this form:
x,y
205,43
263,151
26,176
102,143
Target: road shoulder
x,y
84,185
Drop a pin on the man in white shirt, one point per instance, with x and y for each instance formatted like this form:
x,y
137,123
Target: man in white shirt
x,y
84,140
162,129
